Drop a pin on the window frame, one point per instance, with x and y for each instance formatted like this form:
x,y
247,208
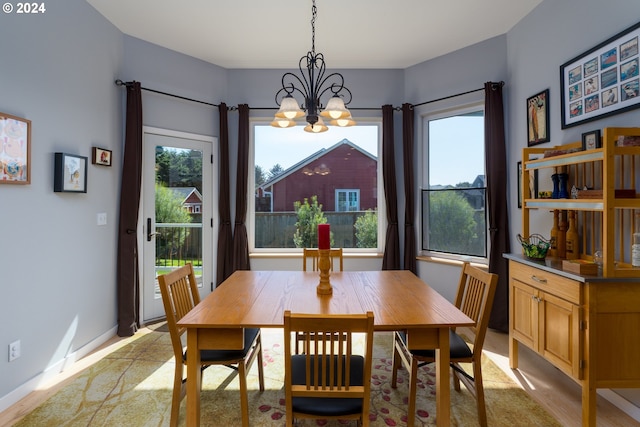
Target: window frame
x,y
449,111
381,207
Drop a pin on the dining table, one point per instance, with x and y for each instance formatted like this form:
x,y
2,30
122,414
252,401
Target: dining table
x,y
399,300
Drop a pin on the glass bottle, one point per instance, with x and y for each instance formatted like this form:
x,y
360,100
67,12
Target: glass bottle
x,y
635,242
572,244
561,242
553,249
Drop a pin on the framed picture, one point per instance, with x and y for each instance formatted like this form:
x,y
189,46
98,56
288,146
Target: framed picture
x,y
15,150
538,118
602,81
591,140
100,156
70,173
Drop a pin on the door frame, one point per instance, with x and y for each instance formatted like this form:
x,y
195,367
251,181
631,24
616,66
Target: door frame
x,y
213,213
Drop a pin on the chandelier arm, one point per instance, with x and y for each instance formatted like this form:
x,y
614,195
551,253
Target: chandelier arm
x,y
289,88
336,88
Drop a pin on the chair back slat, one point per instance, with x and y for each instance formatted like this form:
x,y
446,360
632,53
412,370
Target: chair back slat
x,y
335,256
475,298
179,290
328,350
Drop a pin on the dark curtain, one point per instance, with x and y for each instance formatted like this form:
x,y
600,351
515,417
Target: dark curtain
x,y
225,238
128,276
391,259
409,213
496,166
240,241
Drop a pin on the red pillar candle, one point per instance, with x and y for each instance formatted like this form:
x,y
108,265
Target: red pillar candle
x,y
324,241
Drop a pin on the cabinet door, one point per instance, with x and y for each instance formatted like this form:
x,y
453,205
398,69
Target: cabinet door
x,y
524,308
560,334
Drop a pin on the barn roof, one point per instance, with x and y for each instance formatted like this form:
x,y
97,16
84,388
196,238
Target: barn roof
x,y
318,154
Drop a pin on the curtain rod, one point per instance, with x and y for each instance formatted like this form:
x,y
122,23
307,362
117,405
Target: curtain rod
x,y
500,83
121,83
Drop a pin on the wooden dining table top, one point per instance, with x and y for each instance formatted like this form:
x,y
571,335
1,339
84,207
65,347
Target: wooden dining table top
x,y
398,298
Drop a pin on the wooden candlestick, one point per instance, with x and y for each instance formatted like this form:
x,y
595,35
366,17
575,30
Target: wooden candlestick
x,y
324,263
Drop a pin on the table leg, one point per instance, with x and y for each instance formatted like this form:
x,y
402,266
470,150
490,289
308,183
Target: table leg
x,y
443,392
193,378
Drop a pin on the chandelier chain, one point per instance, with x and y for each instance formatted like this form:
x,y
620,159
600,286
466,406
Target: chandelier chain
x,y
314,14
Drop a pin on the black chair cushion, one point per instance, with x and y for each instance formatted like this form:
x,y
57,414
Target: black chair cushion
x,y
326,406
458,348
250,335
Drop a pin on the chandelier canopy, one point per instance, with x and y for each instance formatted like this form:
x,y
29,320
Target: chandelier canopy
x,y
312,85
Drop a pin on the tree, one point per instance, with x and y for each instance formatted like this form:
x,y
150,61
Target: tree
x,y
179,168
367,230
169,210
452,227
309,216
260,176
275,171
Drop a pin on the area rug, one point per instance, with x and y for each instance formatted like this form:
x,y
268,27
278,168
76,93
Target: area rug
x,y
132,387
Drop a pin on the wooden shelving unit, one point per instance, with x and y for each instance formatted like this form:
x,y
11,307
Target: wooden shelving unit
x,y
604,223
586,326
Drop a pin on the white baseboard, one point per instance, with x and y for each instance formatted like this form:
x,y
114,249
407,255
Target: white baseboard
x,y
51,372
620,402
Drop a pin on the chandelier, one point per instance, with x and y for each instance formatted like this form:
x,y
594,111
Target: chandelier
x,y
312,85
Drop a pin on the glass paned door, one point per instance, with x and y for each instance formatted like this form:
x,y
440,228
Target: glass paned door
x,y
177,211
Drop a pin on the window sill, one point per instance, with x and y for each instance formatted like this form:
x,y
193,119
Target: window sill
x,y
448,261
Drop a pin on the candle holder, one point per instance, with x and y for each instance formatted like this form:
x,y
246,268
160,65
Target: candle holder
x,y
324,264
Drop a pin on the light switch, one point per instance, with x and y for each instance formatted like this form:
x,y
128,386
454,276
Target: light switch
x,y
101,218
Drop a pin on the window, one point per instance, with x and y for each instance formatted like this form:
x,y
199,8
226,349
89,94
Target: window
x,y
454,198
347,200
302,179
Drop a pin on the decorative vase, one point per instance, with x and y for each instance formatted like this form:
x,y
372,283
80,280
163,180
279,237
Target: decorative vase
x,y
556,186
563,191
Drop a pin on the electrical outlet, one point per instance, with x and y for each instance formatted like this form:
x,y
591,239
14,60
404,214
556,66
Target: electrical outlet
x,y
14,350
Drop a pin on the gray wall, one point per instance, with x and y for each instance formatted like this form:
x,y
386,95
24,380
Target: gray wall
x,y
58,267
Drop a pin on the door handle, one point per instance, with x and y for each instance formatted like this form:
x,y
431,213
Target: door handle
x,y
149,233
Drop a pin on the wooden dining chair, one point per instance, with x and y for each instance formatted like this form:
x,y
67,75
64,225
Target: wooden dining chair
x,y
328,380
335,255
179,295
313,255
475,298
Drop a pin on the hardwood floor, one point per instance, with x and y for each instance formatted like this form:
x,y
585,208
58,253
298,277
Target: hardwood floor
x,y
551,388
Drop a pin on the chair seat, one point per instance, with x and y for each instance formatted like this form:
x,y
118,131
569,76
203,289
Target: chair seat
x,y
250,335
326,406
459,349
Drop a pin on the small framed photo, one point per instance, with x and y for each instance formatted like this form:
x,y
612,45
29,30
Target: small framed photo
x,y
100,156
591,140
70,173
15,150
538,118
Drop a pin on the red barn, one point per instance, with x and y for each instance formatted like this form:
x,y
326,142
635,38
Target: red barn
x,y
344,177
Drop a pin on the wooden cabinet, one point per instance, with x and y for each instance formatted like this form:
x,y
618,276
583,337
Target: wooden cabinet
x,y
547,315
586,326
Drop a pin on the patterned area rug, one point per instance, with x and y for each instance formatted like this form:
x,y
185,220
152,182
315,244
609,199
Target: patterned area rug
x,y
132,387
